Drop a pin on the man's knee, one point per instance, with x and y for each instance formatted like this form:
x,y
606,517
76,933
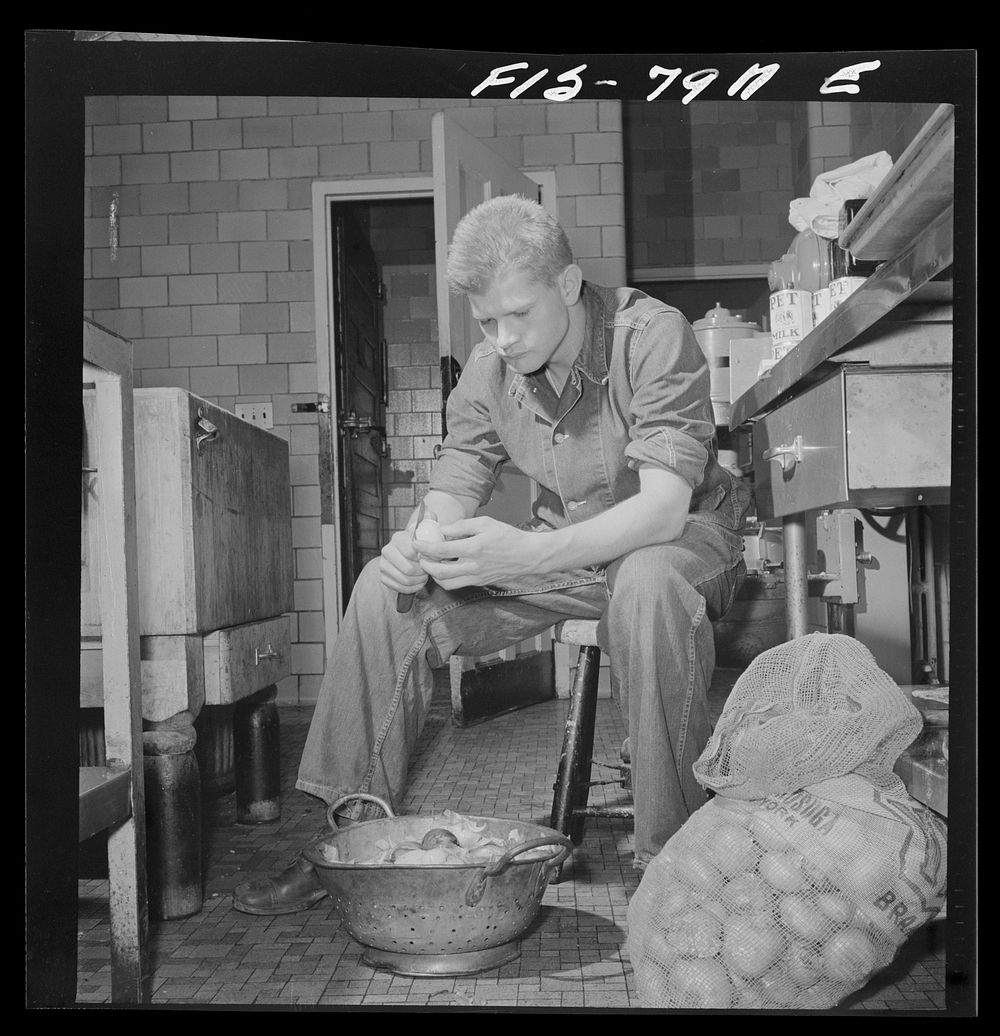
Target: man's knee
x,y
671,575
368,580
369,590
648,574
652,595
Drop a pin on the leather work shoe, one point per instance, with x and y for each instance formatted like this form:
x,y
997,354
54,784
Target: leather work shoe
x,y
295,888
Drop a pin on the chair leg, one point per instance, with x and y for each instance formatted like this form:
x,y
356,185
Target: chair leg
x,y
572,786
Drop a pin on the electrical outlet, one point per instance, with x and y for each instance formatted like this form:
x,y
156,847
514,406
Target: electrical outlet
x,y
259,414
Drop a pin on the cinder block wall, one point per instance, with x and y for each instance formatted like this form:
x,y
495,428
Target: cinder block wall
x,y
708,183
213,278
839,132
879,126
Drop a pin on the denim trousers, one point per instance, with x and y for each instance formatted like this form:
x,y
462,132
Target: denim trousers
x,y
655,607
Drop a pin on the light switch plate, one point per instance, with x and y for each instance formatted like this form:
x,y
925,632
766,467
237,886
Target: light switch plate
x,y
260,414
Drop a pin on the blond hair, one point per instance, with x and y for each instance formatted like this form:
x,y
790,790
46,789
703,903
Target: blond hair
x,y
509,232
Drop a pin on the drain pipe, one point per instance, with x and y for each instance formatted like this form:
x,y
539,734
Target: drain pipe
x,y
796,576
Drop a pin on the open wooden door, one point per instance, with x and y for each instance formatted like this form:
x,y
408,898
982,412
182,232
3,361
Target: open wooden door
x,y
361,394
466,173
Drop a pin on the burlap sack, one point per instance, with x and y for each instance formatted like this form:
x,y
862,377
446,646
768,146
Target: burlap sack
x,y
812,864
813,708
793,901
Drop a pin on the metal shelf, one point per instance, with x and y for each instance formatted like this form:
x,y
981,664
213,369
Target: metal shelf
x,y
895,282
908,221
918,188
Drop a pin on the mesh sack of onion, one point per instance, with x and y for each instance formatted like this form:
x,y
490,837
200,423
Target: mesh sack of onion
x,y
786,891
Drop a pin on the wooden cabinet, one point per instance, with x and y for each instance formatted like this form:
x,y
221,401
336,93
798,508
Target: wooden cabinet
x,y
213,520
240,660
213,514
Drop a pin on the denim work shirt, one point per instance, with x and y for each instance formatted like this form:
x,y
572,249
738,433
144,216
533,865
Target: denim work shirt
x,y
638,393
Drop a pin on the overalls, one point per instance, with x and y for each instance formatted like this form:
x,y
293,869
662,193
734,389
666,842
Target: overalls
x,y
638,394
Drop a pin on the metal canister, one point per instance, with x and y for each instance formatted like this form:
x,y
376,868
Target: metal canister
x,y
842,288
714,332
822,305
791,315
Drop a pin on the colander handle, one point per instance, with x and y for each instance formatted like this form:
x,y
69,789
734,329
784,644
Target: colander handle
x,y
477,887
386,808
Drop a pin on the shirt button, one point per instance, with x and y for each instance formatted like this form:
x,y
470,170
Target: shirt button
x,y
574,504
560,436
604,380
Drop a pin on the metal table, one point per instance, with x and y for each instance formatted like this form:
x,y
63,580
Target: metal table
x,y
858,413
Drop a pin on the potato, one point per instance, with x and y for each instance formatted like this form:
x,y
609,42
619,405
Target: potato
x,y
429,530
438,838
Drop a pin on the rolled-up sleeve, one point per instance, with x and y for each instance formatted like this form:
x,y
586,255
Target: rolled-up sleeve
x,y
671,412
469,460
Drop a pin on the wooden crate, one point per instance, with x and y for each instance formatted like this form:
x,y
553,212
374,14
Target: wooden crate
x,y
213,503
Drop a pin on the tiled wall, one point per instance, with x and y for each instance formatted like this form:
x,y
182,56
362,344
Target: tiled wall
x,y
708,183
213,278
886,127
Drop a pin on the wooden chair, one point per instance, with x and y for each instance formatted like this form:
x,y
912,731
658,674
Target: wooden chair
x,y
573,778
573,782
111,796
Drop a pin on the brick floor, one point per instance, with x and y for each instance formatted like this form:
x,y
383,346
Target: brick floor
x,y
571,957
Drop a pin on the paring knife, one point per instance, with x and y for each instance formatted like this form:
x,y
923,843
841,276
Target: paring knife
x,y
404,602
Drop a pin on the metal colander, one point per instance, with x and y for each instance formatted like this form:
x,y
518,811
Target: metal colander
x,y
452,919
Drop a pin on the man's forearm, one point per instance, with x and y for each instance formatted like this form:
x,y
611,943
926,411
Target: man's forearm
x,y
446,507
654,515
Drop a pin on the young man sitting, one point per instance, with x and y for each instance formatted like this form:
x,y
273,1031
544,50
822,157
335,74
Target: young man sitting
x,y
601,396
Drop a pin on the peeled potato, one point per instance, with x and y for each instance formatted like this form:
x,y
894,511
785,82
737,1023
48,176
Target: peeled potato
x,y
438,838
430,531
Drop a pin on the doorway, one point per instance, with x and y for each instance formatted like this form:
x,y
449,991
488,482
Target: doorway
x,y
387,370
355,196
464,171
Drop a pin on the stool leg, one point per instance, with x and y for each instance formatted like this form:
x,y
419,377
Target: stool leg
x,y
572,786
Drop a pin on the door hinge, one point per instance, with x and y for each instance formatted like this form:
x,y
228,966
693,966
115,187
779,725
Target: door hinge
x,y
380,291
354,424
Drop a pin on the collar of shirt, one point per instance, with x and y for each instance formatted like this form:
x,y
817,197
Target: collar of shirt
x,y
591,361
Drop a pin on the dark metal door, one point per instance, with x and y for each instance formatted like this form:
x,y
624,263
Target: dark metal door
x,y
361,394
